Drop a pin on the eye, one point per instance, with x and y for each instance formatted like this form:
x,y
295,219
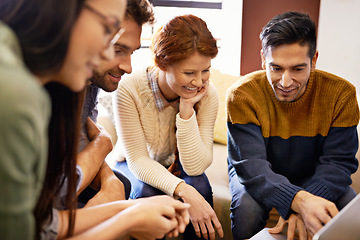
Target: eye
x,y
120,52
275,68
206,70
298,69
107,29
188,73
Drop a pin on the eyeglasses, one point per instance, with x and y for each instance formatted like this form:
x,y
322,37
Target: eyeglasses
x,y
111,27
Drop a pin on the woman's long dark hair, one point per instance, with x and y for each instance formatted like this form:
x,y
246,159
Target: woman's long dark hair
x,y
43,29
64,131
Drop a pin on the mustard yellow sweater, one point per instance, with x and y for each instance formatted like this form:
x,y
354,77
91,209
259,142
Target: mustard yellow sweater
x,y
276,146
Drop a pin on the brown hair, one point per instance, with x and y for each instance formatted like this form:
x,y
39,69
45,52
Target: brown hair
x,y
60,179
180,38
141,11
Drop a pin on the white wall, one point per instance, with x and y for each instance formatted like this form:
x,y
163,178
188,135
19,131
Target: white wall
x,y
339,39
224,24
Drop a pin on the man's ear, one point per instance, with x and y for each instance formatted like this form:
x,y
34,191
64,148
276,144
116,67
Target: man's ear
x,y
314,60
262,59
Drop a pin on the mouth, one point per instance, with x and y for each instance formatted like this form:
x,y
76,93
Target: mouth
x,y
114,77
191,89
286,91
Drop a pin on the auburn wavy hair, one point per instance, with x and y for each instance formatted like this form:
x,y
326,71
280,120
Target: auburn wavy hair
x,y
180,38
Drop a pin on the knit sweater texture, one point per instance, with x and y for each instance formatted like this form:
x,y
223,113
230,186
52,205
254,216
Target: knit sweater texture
x,y
277,146
148,137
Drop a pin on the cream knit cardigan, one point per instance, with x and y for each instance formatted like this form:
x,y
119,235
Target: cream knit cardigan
x,y
147,136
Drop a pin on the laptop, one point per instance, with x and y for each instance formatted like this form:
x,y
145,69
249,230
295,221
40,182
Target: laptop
x,y
345,225
265,235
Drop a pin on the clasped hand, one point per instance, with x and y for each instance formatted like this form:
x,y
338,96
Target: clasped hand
x,y
311,214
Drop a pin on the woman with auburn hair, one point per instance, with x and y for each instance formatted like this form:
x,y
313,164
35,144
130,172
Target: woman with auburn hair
x,y
165,115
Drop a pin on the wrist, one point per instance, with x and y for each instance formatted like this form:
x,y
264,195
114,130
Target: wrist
x,y
186,109
299,200
184,191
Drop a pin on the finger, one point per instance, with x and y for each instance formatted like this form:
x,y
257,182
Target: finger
x,y
204,230
196,229
218,226
168,211
185,215
324,219
175,232
291,228
181,224
279,226
302,230
210,230
170,234
179,205
310,236
171,226
332,210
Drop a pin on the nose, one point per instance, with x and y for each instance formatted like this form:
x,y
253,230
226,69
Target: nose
x,y
286,79
197,81
108,53
125,64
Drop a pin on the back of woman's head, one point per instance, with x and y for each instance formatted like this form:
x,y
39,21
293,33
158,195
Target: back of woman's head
x,y
43,28
180,38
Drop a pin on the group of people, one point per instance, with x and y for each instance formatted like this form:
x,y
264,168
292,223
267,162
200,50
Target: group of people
x,y
292,134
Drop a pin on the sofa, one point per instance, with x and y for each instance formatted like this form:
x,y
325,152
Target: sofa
x,y
217,172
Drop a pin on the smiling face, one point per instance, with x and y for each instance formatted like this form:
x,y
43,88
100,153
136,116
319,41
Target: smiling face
x,y
89,42
288,68
185,78
108,75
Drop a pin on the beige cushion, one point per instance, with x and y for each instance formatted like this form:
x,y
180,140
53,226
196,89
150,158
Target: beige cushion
x,y
222,82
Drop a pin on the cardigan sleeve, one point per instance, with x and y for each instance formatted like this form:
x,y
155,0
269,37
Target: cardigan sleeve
x,y
195,135
132,137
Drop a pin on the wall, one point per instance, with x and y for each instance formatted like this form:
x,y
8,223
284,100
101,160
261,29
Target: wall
x,y
339,39
224,24
256,13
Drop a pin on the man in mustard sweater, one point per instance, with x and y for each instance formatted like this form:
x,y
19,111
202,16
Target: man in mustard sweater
x,y
292,135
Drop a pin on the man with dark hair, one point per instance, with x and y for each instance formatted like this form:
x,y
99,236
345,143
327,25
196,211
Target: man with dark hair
x,y
292,135
95,143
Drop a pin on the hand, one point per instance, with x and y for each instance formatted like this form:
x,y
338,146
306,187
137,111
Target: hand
x,y
97,132
158,216
182,214
294,222
186,106
202,215
91,158
314,211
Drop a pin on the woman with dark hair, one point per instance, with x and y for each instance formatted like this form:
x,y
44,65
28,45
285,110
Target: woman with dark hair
x,y
58,44
40,43
165,120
